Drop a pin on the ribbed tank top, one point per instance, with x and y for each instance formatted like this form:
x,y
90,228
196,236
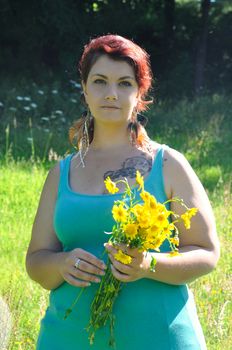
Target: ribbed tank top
x,y
76,209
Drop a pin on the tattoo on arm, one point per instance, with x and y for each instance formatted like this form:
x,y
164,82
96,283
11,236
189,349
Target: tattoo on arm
x,y
129,168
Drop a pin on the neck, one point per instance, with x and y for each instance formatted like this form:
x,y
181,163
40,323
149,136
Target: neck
x,y
110,137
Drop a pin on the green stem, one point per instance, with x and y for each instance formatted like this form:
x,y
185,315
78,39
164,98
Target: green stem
x,y
68,311
176,199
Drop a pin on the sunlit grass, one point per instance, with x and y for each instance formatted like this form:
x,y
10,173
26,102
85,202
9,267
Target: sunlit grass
x,y
20,187
31,139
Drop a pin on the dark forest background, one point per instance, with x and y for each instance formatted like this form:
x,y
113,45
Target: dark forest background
x,y
190,42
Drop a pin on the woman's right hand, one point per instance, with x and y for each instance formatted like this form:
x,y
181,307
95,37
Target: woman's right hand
x,y
89,268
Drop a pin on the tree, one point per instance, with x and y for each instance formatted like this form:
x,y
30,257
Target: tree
x,y
202,47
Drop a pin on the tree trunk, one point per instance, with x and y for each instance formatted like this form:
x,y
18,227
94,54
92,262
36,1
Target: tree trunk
x,y
202,47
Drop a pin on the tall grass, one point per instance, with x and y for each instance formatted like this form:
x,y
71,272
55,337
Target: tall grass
x,y
31,142
27,301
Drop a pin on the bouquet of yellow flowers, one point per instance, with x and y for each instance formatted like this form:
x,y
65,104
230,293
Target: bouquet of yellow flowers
x,y
142,224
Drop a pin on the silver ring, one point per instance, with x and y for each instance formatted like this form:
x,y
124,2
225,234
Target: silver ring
x,y
77,263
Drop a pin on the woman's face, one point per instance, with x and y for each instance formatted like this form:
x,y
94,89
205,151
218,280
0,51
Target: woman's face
x,y
111,90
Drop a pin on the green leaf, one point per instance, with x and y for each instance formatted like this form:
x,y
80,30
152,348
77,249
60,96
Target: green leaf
x,y
153,264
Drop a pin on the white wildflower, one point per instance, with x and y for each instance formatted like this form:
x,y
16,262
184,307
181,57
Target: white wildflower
x,y
45,118
40,92
27,108
13,109
46,130
54,92
29,139
75,84
59,112
63,120
52,155
33,105
26,98
1,104
73,100
19,98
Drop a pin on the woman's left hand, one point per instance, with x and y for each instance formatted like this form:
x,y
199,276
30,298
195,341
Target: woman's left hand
x,y
138,267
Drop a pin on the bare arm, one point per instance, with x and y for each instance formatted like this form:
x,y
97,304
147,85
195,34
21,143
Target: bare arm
x,y
199,246
46,263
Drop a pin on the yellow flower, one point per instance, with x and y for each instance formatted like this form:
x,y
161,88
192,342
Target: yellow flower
x,y
161,220
144,220
139,180
119,213
174,253
168,231
153,203
123,258
110,185
174,240
155,242
130,230
186,220
159,240
154,230
171,226
161,207
150,245
145,197
137,209
187,216
192,211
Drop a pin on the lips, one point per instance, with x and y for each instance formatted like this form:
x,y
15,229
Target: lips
x,y
109,107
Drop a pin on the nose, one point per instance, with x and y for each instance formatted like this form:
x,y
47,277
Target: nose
x,y
111,94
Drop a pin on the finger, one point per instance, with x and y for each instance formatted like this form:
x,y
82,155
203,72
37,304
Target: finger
x,y
133,252
120,266
110,248
75,282
84,255
87,267
121,277
77,273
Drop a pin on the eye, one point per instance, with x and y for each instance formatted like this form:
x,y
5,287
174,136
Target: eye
x,y
125,83
99,81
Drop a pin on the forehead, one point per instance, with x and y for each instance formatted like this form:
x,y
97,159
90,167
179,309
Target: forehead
x,y
110,67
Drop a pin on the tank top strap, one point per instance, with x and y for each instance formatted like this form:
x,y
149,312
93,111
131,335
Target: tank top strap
x,y
155,183
64,173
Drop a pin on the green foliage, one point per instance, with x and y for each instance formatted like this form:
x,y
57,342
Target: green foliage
x,y
35,119
31,140
20,187
211,177
50,36
199,128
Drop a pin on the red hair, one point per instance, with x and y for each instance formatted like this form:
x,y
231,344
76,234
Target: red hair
x,y
117,48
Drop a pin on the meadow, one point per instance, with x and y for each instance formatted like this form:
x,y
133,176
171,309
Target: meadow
x,y
34,121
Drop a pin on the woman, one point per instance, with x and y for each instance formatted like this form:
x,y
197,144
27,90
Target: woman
x,y
154,310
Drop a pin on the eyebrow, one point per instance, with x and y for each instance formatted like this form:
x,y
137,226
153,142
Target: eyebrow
x,y
121,78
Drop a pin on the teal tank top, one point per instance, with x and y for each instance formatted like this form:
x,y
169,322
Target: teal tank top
x,y
148,314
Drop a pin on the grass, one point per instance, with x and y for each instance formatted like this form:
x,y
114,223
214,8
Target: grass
x,y
30,144
20,185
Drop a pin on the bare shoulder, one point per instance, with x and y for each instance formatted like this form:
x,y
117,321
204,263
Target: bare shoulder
x,y
177,173
53,176
184,183
174,157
